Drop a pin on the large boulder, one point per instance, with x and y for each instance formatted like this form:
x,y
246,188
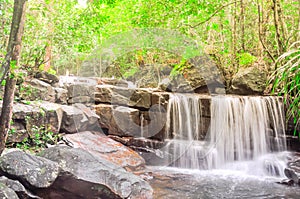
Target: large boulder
x,y
25,117
51,115
85,176
73,119
32,171
119,120
248,81
46,77
199,75
35,89
76,90
102,146
137,98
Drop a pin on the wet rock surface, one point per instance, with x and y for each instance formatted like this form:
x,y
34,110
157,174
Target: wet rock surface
x,y
292,172
172,183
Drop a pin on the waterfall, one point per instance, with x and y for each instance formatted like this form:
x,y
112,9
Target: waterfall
x,y
242,128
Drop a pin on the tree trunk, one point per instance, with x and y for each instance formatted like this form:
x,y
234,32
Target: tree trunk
x,y
242,21
13,51
234,39
277,27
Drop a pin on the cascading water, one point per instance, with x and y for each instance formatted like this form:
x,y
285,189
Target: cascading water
x,y
242,129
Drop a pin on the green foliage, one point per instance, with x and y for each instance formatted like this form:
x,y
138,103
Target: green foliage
x,y
246,59
50,70
178,68
40,137
286,80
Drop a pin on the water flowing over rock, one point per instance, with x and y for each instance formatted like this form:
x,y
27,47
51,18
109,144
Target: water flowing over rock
x,y
85,176
241,129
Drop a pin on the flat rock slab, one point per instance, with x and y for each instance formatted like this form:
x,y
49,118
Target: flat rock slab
x,y
85,176
35,172
102,146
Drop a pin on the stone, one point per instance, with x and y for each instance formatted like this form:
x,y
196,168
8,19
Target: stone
x,y
46,77
287,182
112,81
119,120
28,115
137,98
75,90
18,188
160,98
17,132
52,115
248,81
102,146
153,123
73,119
35,172
7,193
85,176
291,174
24,111
89,113
35,89
138,142
200,76
66,81
81,99
61,95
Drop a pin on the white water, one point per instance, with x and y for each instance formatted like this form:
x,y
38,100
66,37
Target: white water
x,y
246,133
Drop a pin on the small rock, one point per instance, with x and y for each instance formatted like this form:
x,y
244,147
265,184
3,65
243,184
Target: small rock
x,y
18,188
290,174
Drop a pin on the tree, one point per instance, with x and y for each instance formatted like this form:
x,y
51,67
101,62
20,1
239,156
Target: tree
x,y
8,66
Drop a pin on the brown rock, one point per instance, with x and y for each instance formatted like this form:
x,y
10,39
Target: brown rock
x,y
105,147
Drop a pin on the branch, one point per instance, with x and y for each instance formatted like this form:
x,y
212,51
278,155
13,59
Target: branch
x,y
216,12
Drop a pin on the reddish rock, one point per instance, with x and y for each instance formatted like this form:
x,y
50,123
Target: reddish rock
x,y
107,148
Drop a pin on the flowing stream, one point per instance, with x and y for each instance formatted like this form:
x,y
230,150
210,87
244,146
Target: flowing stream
x,y
240,155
